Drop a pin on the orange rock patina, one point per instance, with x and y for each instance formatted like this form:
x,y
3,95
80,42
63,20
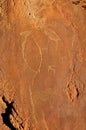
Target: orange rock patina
x,y
42,64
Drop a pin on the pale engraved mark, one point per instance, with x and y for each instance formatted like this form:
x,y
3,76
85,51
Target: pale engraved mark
x,y
52,35
40,52
39,68
33,106
44,122
32,101
26,34
51,68
30,91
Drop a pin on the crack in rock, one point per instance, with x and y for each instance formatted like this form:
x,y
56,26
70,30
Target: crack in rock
x,y
8,112
10,117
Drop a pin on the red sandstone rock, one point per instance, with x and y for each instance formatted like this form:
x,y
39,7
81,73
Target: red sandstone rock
x,y
42,65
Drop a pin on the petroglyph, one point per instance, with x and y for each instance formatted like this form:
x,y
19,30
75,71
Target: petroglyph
x,y
45,122
51,68
33,106
52,35
42,65
30,91
25,34
40,52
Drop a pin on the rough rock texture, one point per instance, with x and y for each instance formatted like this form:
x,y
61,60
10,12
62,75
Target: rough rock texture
x,y
42,64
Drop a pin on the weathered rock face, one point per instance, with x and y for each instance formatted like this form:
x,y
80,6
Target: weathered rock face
x,y
42,65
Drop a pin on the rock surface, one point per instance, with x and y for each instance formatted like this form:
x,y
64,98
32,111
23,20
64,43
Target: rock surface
x,y
42,64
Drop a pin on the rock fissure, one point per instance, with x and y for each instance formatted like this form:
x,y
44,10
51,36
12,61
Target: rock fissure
x,y
8,112
11,118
